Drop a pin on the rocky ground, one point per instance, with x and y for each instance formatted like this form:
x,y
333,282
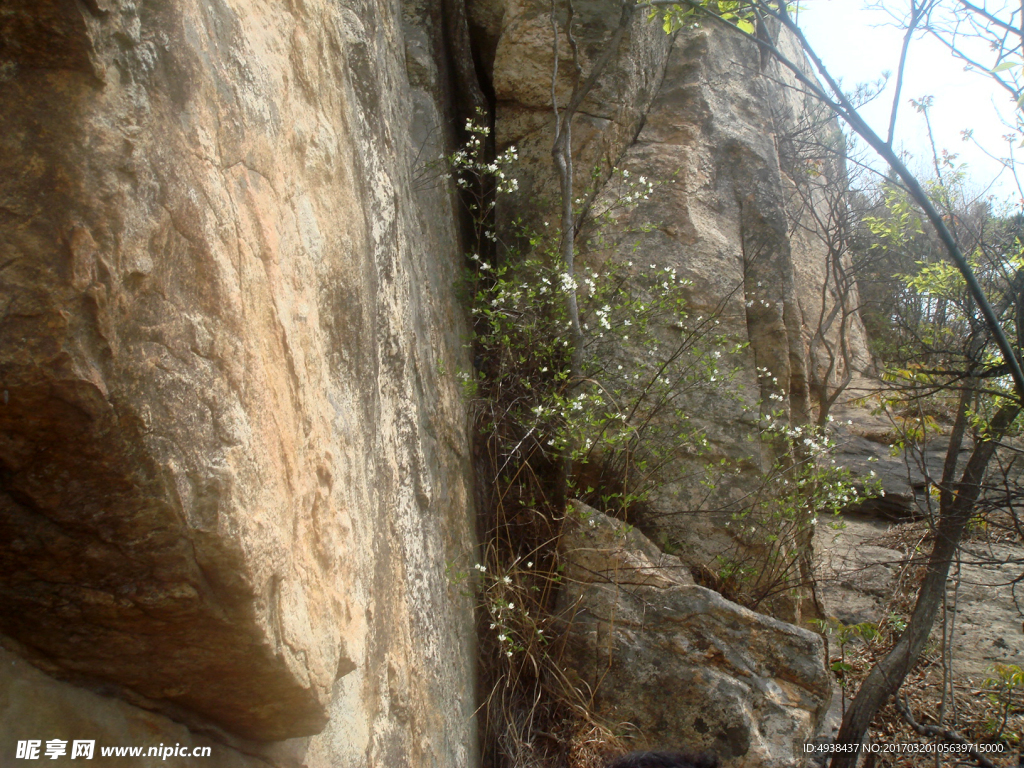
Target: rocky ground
x,y
866,573
870,565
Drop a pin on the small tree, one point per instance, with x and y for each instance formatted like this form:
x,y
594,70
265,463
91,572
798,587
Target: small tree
x,y
814,155
946,355
761,21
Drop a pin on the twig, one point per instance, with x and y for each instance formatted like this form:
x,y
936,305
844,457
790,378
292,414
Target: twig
x,y
950,737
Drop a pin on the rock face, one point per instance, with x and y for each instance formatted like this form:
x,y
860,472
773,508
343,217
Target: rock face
x,y
233,449
737,214
610,116
232,445
727,225
34,706
680,663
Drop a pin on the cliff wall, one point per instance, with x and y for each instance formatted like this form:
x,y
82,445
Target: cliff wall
x,y
234,455
745,169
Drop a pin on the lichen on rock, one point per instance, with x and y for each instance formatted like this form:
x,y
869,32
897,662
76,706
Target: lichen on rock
x,y
678,662
235,456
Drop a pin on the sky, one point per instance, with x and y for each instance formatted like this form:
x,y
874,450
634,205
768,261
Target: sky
x,y
856,45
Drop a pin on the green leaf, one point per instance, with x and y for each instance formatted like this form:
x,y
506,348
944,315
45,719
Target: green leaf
x,y
745,26
1005,66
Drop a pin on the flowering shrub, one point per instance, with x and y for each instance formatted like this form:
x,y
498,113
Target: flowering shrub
x,y
595,416
770,561
622,418
480,180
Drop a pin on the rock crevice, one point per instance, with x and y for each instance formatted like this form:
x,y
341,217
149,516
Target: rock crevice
x,y
234,452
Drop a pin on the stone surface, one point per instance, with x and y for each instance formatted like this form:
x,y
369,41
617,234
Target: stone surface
x,y
858,574
704,114
680,663
34,706
609,118
866,442
725,222
605,550
232,444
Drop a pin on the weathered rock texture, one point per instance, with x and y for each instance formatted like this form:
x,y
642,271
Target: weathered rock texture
x,y
232,446
34,706
727,132
679,662
861,569
233,451
608,119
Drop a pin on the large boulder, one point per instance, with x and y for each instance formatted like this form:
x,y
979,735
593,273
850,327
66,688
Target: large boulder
x,y
678,662
233,447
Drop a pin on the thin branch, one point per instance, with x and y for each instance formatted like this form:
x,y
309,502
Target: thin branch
x,y
994,20
916,13
950,737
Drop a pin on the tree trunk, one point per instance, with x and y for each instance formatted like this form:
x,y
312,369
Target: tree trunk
x,y
888,675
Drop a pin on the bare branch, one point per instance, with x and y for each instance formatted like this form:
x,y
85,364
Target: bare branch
x,y
950,737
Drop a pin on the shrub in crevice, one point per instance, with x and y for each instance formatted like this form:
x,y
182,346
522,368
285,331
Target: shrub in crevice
x,y
604,423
